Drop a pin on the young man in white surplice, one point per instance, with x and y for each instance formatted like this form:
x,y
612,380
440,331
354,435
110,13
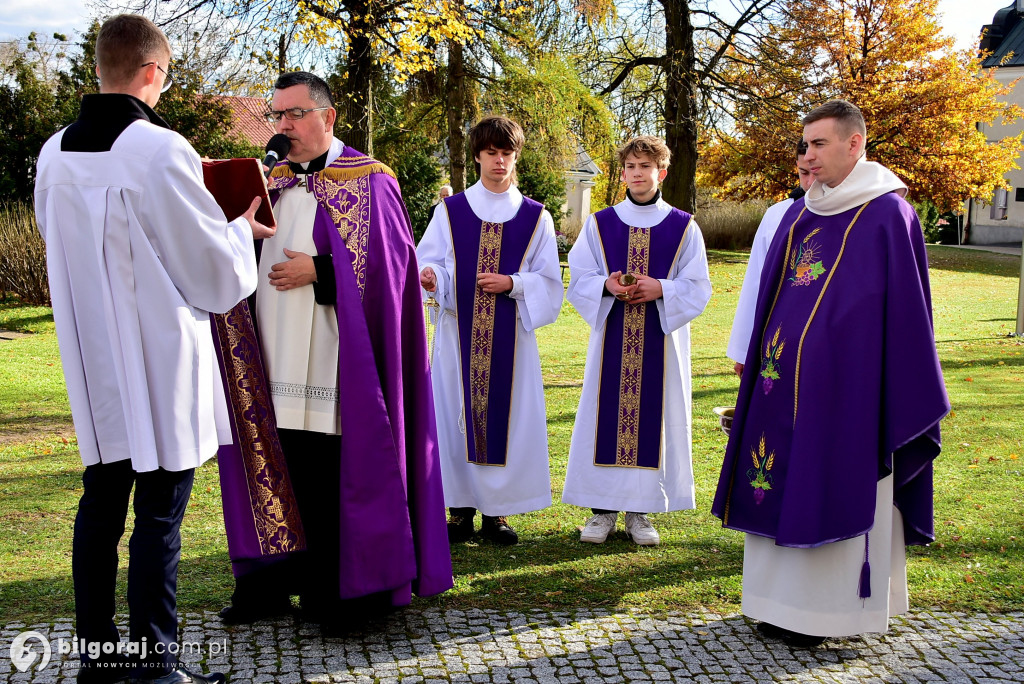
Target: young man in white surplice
x,y
490,260
639,276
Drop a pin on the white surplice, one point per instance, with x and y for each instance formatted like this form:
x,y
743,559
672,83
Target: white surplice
x,y
686,292
299,337
523,484
816,591
138,253
743,321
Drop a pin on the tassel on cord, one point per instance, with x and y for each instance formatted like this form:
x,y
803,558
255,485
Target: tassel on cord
x,y
865,573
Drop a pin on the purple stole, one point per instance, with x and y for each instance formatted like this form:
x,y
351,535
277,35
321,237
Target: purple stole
x,y
259,505
630,402
842,384
487,322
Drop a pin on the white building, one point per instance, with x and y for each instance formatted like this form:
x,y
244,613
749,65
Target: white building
x,y
1001,220
579,180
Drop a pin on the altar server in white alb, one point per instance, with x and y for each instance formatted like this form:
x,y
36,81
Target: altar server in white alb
x,y
743,321
138,253
639,276
490,260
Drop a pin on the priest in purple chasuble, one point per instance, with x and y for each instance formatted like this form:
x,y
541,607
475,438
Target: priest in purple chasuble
x,y
630,448
340,328
490,261
828,468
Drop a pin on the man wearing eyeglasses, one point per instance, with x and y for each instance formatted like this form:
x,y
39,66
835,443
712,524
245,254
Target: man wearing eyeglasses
x,y
138,255
343,340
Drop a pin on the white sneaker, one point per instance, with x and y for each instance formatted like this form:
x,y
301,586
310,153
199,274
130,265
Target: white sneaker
x,y
640,530
598,528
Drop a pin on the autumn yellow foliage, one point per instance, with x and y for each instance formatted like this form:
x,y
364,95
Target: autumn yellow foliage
x,y
921,98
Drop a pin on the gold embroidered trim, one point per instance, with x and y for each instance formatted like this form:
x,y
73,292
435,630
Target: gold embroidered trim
x,y
627,441
482,338
821,295
341,169
348,203
277,525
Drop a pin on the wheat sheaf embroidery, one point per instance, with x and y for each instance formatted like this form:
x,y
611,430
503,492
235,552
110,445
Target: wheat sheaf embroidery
x,y
760,477
769,366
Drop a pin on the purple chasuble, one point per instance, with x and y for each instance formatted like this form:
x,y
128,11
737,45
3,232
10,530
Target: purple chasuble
x,y
632,387
393,536
842,384
487,322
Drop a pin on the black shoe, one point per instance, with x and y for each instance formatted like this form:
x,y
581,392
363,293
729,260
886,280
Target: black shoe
x,y
244,614
180,675
770,631
798,640
460,524
498,531
350,616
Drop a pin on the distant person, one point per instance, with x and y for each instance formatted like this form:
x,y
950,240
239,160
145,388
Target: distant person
x,y
638,276
489,259
445,191
829,463
743,321
342,334
138,255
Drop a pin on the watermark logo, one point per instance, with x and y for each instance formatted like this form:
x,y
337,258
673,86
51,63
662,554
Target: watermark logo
x,y
23,654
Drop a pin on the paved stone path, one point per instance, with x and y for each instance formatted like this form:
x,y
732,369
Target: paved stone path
x,y
588,647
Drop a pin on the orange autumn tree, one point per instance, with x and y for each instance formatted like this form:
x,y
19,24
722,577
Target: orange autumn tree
x,y
921,99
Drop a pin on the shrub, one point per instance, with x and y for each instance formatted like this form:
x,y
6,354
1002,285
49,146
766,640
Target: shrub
x,y
729,225
22,255
928,214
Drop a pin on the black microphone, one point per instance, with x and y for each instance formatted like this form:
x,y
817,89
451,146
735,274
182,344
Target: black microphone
x,y
276,149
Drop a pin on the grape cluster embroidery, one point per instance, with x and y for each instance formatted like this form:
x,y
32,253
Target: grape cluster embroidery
x,y
769,367
760,477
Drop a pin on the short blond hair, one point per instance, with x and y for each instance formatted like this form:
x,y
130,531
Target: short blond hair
x,y
124,44
650,146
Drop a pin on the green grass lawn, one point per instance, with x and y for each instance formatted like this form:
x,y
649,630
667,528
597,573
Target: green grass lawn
x,y
975,564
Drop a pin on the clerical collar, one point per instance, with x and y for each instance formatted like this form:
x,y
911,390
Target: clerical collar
x,y
653,200
102,118
313,166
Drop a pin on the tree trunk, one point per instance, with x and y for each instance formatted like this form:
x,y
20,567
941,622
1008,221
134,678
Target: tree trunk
x,y
680,187
455,91
611,193
282,54
355,110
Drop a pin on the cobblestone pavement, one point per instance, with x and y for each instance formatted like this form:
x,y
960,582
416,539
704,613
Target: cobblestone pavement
x,y
548,647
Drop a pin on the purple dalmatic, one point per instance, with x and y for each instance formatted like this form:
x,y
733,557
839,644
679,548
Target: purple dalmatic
x,y
393,535
842,384
630,402
487,322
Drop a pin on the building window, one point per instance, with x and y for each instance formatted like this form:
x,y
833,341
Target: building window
x,y
998,211
1019,195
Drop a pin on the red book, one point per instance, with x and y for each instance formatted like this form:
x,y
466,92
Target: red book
x,y
234,183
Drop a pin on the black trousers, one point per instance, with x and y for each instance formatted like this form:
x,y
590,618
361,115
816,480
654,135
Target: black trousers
x,y
154,550
314,468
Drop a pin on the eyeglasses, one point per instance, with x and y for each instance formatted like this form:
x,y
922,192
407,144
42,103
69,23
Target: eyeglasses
x,y
168,81
293,114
